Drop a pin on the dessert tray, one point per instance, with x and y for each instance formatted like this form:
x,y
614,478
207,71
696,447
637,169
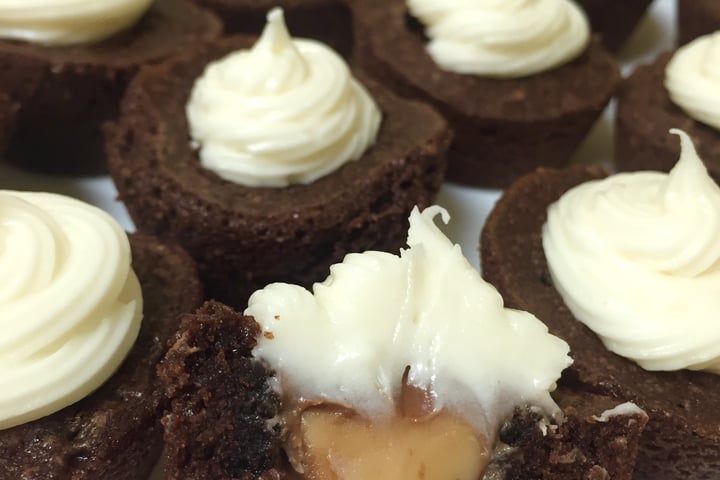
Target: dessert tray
x,y
468,207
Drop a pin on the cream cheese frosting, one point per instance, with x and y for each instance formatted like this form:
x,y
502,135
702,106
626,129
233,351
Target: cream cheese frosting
x,y
636,258
502,38
68,22
350,341
284,112
692,79
70,304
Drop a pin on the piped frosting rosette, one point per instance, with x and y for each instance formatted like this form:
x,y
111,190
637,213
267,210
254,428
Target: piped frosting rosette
x,y
692,78
502,38
286,111
636,257
68,22
70,304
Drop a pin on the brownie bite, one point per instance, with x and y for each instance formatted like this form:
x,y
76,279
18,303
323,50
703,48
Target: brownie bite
x,y
681,439
645,113
59,126
326,20
696,18
223,416
614,20
504,127
246,237
115,432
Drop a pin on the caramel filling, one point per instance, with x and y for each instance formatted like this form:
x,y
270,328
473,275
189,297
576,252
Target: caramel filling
x,y
338,444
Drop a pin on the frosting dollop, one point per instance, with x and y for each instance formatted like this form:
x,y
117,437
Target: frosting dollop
x,y
427,314
68,22
286,111
636,258
70,304
692,78
502,38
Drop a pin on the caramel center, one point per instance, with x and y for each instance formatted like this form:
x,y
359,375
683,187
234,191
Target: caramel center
x,y
338,444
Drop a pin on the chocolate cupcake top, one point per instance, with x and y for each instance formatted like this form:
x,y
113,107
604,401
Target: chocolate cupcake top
x,y
286,111
635,257
72,260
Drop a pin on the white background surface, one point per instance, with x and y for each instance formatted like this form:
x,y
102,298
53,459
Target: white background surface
x,y
468,206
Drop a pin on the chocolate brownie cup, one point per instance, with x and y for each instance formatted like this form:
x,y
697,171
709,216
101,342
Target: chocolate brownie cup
x,y
59,126
681,439
696,18
503,127
326,20
645,113
114,433
246,237
222,421
614,20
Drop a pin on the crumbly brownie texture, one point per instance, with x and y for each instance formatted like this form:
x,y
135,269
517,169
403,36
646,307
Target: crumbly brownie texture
x,y
222,411
59,127
242,237
614,20
697,18
503,128
645,114
221,406
682,437
326,20
114,434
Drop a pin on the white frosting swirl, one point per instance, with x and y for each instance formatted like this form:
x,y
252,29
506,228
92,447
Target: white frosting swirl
x,y
692,78
68,22
502,38
286,111
427,309
70,304
636,257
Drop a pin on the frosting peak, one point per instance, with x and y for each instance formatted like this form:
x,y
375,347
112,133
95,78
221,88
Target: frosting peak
x,y
502,38
277,63
68,22
635,256
692,78
286,111
70,304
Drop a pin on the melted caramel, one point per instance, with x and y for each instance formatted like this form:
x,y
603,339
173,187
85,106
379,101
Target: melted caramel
x,y
338,444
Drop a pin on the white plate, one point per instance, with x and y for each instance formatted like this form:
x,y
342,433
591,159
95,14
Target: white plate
x,y
468,207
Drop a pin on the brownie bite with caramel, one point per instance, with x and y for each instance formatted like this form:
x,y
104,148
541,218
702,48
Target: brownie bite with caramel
x,y
403,380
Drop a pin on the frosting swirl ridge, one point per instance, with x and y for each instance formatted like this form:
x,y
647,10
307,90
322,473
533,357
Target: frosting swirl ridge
x,y
692,78
70,304
68,22
286,111
502,38
635,257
